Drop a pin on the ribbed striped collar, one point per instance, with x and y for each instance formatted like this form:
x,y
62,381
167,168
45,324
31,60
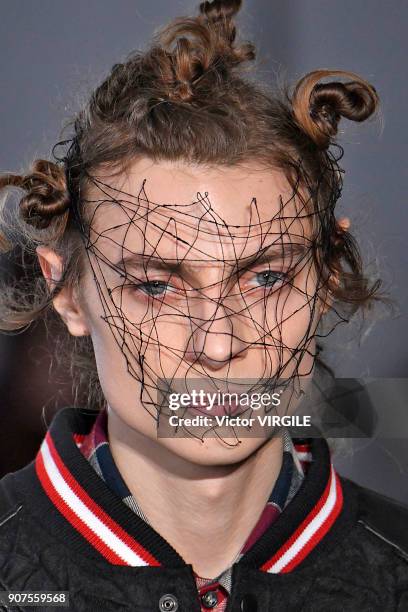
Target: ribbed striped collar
x,y
96,448
94,520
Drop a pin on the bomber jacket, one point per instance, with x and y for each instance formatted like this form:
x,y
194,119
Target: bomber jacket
x,y
337,545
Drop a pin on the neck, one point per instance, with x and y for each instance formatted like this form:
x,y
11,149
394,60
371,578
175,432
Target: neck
x,y
205,512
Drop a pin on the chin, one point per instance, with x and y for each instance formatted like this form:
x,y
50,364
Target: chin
x,y
213,451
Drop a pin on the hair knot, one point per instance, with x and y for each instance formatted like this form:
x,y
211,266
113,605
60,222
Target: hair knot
x,y
47,195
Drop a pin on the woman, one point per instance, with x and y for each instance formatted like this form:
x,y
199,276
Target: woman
x,y
187,238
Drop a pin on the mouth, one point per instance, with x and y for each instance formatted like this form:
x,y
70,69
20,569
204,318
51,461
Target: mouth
x,y
206,409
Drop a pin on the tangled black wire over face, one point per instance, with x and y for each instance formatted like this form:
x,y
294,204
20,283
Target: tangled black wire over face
x,y
267,281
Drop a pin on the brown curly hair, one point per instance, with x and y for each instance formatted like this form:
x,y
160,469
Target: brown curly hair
x,y
187,97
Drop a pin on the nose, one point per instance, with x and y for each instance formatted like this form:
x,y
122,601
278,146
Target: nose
x,y
217,337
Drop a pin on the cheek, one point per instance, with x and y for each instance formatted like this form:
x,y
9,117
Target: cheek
x,y
107,334
119,376
292,318
120,336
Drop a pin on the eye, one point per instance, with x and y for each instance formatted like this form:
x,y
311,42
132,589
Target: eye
x,y
269,278
153,288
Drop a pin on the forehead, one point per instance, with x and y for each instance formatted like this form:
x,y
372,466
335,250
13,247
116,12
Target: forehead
x,y
173,205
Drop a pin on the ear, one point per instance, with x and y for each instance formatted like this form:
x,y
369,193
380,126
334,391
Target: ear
x,y
343,225
327,302
65,302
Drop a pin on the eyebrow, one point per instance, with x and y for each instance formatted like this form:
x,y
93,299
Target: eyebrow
x,y
271,253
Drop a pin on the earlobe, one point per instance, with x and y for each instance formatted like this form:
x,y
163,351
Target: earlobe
x,y
71,313
65,302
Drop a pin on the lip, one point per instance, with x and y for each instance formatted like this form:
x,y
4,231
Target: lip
x,y
216,410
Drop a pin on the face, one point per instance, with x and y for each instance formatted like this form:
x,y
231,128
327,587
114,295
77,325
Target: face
x,y
196,273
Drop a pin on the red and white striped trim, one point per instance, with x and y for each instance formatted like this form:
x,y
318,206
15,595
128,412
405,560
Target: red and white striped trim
x,y
303,452
310,531
304,457
86,516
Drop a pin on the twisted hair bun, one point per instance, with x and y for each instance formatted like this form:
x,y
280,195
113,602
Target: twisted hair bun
x,y
47,196
188,48
318,107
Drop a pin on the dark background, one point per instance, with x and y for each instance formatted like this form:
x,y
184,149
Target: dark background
x,y
53,52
